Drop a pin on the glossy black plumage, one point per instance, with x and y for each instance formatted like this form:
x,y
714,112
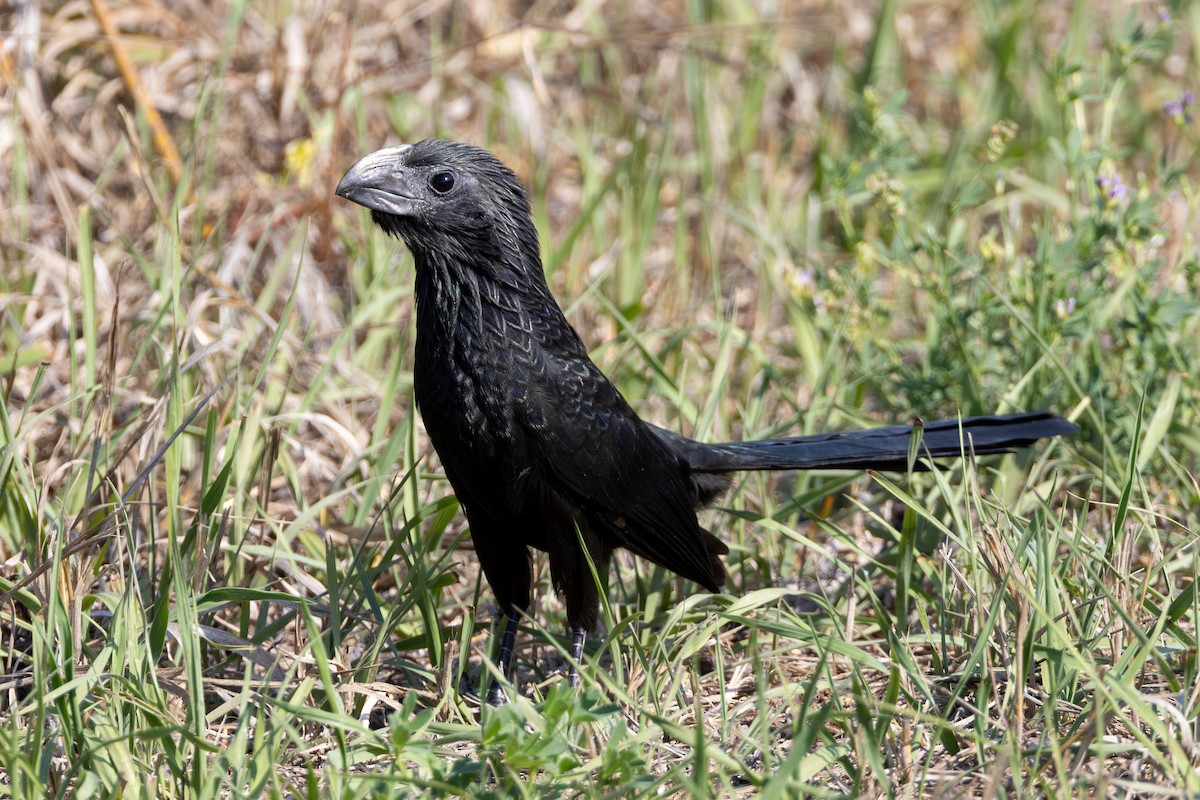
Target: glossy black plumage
x,y
534,439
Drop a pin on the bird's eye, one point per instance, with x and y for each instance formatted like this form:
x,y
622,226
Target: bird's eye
x,y
442,182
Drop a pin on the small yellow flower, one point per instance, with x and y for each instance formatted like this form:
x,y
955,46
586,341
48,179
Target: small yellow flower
x,y
300,157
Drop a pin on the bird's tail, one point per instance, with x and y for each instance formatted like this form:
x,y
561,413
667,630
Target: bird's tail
x,y
876,448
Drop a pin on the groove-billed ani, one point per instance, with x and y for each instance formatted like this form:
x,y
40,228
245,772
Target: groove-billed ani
x,y
541,449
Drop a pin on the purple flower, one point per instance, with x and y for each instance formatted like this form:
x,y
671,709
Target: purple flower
x,y
1180,110
1115,191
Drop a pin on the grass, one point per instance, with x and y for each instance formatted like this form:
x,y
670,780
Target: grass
x,y
232,565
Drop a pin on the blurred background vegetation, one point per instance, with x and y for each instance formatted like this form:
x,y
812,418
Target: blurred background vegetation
x,y
230,562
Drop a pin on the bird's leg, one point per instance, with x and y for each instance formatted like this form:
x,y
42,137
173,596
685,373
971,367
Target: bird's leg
x,y
577,634
496,695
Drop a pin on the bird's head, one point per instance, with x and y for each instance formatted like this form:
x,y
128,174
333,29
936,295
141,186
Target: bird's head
x,y
444,199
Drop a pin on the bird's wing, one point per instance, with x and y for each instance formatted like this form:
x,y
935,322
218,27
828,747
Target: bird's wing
x,y
601,457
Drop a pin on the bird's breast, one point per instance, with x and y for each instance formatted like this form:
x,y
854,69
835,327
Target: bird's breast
x,y
474,369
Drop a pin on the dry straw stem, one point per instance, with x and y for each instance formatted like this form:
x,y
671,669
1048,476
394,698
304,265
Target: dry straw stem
x,y
163,141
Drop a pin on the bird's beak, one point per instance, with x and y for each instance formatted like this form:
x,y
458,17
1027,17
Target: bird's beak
x,y
378,182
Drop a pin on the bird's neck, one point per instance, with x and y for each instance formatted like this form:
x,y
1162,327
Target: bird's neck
x,y
486,292
478,317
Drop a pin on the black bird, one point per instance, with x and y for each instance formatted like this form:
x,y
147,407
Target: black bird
x,y
540,448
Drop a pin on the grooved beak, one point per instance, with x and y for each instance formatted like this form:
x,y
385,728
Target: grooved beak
x,y
378,182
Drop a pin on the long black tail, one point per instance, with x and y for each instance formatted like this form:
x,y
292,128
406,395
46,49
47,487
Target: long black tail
x,y
874,448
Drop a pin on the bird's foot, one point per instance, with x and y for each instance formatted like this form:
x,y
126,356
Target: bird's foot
x,y
577,635
496,695
466,687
